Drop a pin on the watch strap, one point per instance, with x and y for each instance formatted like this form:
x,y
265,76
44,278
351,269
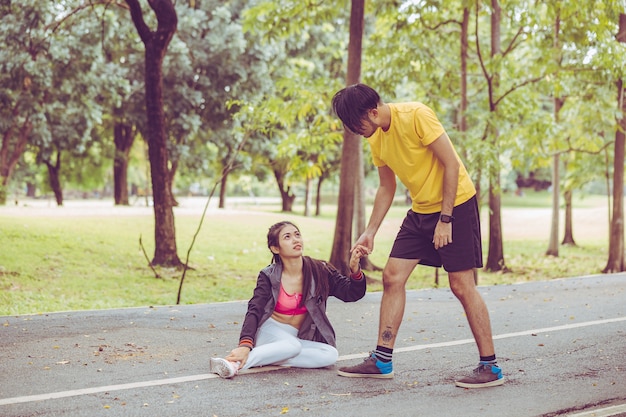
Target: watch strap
x,y
446,219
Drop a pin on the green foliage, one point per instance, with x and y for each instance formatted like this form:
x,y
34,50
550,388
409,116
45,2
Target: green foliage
x,y
285,59
211,68
290,19
302,137
248,85
408,55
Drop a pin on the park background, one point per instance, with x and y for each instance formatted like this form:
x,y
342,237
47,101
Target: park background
x,y
122,120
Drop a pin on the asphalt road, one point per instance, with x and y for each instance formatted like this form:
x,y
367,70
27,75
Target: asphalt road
x,y
562,345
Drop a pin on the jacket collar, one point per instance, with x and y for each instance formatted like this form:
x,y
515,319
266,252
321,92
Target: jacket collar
x,y
275,270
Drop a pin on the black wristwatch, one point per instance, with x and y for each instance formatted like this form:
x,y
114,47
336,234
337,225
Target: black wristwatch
x,y
446,219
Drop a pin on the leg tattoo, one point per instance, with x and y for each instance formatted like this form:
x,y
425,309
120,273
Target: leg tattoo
x,y
387,335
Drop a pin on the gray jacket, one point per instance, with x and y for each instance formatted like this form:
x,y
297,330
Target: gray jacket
x,y
316,325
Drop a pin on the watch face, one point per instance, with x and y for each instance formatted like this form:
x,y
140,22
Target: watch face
x,y
446,219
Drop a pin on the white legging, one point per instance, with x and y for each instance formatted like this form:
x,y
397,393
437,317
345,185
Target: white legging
x,y
278,344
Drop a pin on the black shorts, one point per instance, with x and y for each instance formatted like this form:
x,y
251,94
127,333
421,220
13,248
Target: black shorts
x,y
415,239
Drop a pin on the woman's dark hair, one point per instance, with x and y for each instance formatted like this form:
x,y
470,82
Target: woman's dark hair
x,y
352,103
311,271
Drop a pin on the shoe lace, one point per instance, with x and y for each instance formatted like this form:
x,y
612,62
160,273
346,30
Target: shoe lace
x,y
480,369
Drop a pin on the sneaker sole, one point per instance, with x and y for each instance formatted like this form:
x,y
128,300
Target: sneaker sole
x,y
218,367
378,376
483,385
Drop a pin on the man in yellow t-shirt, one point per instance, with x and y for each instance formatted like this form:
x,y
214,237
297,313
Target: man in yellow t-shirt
x,y
442,228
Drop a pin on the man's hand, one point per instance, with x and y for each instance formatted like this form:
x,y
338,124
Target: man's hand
x,y
443,234
366,240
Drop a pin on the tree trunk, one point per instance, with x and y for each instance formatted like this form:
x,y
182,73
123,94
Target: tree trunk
x,y
462,120
171,174
615,262
123,137
223,183
616,238
31,189
568,237
318,195
165,252
495,256
227,168
553,246
464,53
360,212
342,241
287,197
11,151
54,180
307,198
359,199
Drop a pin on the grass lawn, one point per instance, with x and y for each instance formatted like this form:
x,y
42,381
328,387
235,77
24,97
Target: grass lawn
x,y
60,259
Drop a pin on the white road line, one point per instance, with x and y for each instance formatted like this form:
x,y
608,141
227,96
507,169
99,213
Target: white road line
x,y
120,387
200,377
496,337
601,412
95,390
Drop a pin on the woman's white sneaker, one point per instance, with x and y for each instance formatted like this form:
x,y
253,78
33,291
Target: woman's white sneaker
x,y
222,367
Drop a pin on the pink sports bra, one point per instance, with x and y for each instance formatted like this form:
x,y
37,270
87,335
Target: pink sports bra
x,y
288,304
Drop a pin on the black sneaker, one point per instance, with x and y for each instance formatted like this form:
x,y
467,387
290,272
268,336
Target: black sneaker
x,y
371,367
486,375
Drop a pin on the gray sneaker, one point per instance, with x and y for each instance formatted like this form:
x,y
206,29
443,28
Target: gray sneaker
x,y
486,375
223,368
371,367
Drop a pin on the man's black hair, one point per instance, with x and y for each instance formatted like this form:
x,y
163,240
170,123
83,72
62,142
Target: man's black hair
x,y
352,103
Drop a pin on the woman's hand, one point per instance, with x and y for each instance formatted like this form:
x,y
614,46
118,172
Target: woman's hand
x,y
356,254
239,354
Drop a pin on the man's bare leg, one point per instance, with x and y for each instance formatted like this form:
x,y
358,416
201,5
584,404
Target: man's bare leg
x,y
464,288
488,373
395,275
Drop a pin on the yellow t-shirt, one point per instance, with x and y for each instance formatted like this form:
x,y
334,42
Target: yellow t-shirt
x,y
404,149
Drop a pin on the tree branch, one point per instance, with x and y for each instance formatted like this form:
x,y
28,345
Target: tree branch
x,y
515,87
91,3
440,24
156,274
478,50
225,172
137,15
585,151
167,20
512,43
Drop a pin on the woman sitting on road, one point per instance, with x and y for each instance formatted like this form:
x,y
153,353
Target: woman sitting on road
x,y
286,323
